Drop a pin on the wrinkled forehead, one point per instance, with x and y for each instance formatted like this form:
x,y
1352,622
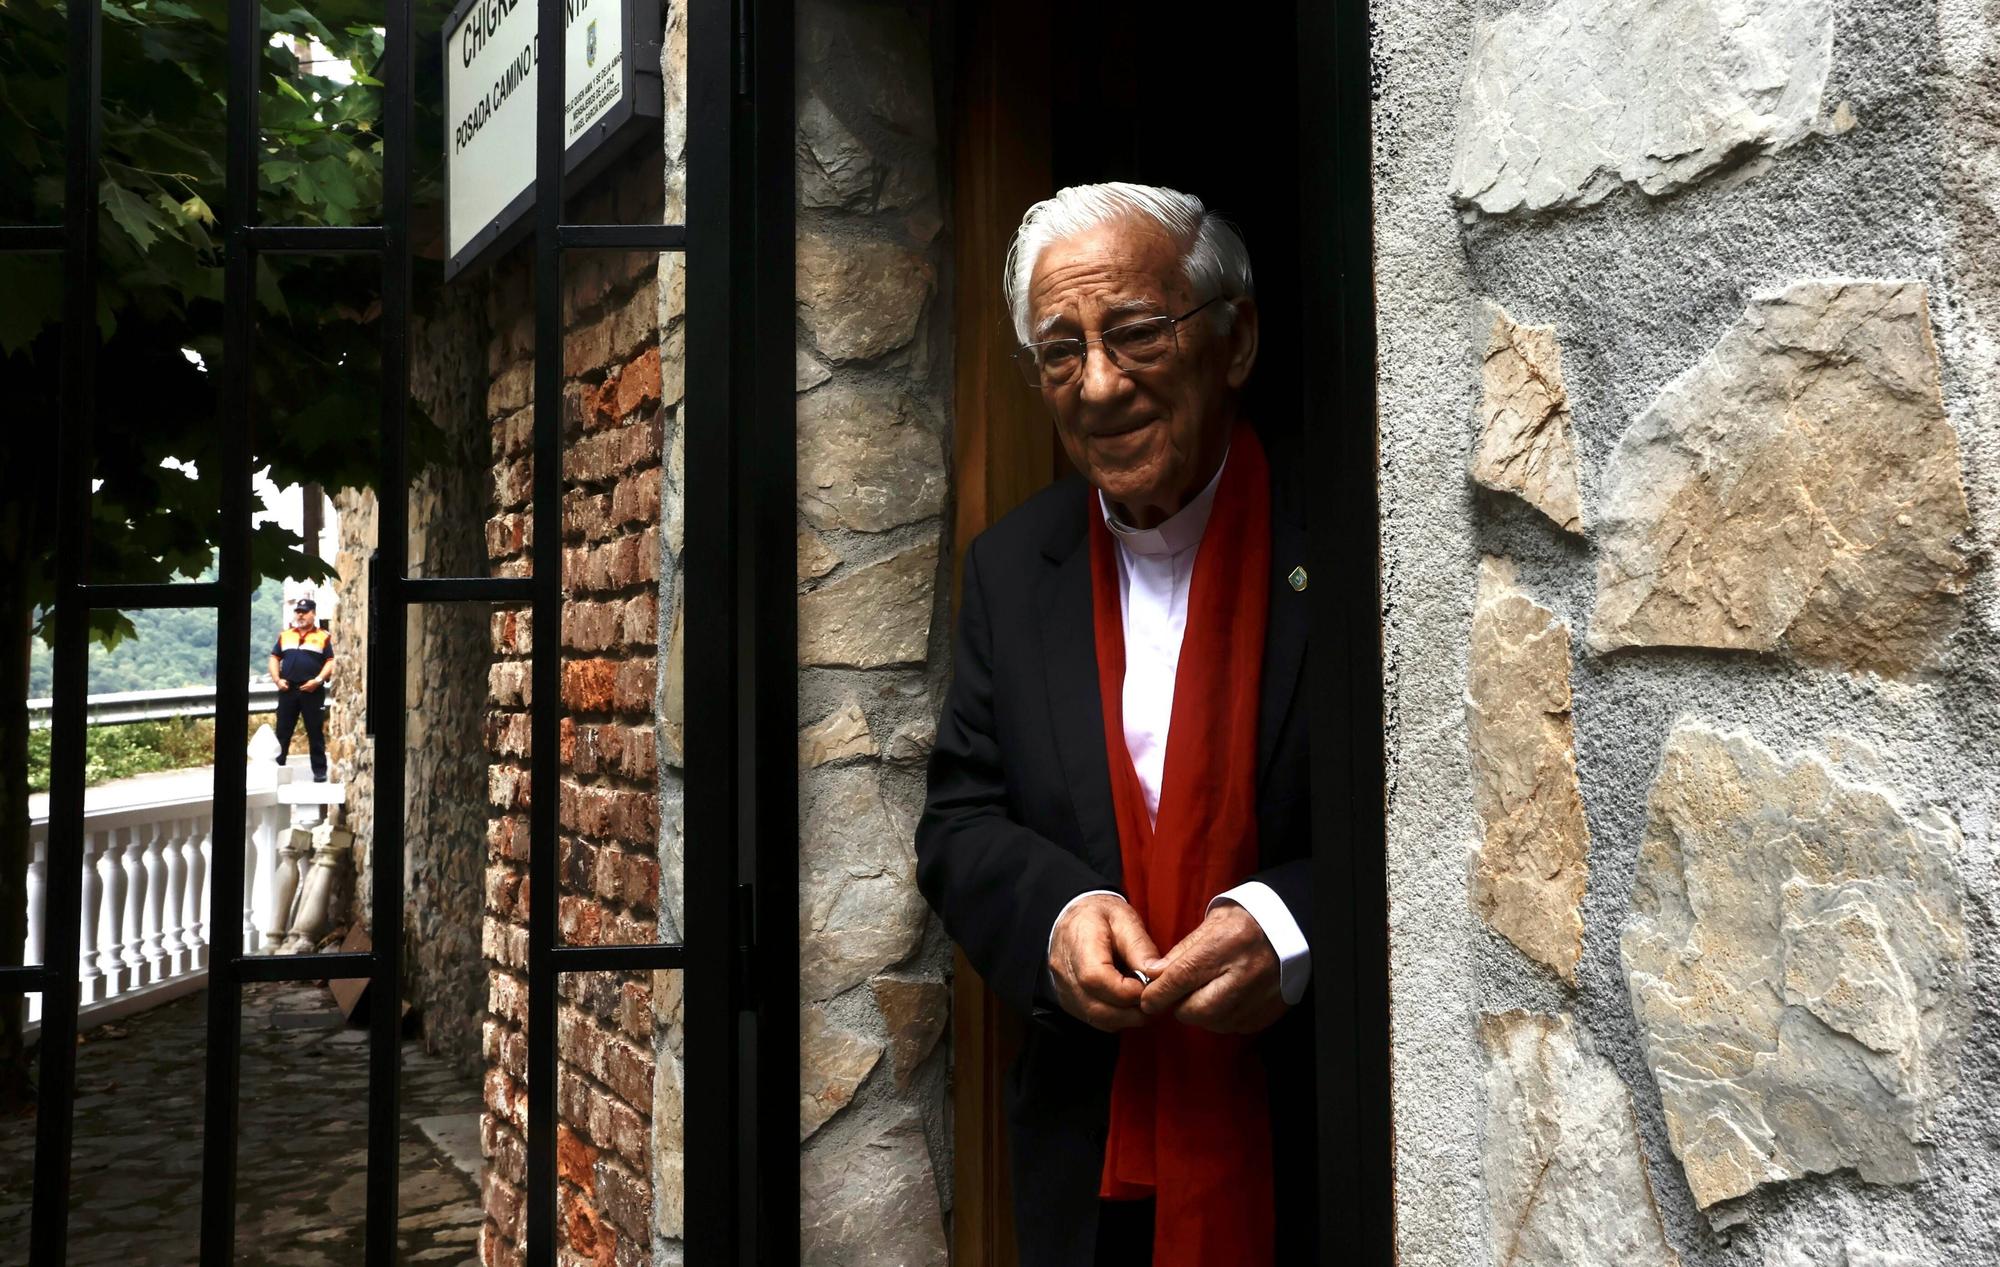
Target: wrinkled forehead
x,y
1125,265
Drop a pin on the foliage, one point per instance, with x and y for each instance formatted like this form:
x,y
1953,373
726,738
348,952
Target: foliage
x,y
168,649
141,747
159,298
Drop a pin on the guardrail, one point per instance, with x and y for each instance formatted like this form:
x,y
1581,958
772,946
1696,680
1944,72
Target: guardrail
x,y
119,707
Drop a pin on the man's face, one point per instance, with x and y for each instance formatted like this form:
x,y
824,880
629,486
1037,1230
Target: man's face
x,y
1148,437
303,620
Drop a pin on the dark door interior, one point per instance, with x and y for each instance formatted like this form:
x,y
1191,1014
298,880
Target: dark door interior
x,y
1040,97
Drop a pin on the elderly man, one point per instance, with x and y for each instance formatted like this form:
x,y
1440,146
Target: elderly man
x,y
1117,819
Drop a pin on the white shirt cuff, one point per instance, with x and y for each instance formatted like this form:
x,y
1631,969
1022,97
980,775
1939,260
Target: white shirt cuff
x,y
1281,930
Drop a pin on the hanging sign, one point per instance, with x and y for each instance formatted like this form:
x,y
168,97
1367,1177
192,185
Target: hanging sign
x,y
611,97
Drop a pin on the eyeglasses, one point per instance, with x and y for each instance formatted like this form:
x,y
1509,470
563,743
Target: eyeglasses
x,y
1136,345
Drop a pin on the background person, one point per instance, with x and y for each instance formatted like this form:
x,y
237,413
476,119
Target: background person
x,y
302,665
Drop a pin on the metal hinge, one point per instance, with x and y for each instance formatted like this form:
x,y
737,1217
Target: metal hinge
x,y
746,948
742,48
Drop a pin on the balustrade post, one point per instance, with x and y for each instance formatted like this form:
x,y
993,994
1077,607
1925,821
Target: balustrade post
x,y
111,914
38,896
172,889
132,914
258,863
294,847
152,946
201,886
89,967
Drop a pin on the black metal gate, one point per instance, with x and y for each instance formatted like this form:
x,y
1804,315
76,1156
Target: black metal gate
x,y
741,948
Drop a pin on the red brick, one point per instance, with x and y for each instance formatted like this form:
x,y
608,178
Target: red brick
x,y
639,385
587,348
507,839
637,681
626,1198
588,686
503,885
576,1160
591,626
588,1235
580,922
507,684
639,621
629,1072
507,998
586,515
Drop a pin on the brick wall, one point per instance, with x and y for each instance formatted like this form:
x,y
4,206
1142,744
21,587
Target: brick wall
x,y
608,813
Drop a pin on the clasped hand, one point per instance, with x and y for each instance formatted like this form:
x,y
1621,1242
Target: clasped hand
x,y
1222,977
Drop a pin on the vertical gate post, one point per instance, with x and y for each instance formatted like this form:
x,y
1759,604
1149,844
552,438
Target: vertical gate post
x,y
54,1124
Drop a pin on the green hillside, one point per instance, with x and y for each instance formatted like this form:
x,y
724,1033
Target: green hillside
x,y
173,649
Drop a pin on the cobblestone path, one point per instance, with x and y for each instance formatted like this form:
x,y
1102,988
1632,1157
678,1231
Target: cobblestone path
x,y
302,1148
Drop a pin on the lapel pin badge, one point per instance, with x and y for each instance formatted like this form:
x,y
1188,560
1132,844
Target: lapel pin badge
x,y
1297,578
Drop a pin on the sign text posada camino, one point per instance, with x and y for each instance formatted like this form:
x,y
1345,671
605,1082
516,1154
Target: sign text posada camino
x,y
611,70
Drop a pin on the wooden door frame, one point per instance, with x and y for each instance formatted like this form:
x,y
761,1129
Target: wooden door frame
x,y
1004,450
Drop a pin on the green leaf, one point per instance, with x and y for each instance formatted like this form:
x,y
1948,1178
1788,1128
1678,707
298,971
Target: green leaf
x,y
131,213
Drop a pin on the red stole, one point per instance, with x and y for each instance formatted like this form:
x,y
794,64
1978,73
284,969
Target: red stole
x,y
1189,1122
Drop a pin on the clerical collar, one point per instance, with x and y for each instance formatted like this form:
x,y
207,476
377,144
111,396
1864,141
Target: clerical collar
x,y
1179,531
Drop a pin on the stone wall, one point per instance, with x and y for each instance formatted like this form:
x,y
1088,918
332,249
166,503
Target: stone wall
x,y
872,426
444,690
874,379
1690,427
611,799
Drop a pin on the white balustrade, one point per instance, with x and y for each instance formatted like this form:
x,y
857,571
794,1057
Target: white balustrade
x,y
147,887
38,896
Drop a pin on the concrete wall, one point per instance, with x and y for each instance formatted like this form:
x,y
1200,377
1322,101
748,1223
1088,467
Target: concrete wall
x,y
1755,640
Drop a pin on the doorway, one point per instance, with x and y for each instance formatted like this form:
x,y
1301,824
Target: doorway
x,y
1041,97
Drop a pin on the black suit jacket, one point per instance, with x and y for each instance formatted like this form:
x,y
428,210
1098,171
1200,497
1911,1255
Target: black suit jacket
x,y
1018,820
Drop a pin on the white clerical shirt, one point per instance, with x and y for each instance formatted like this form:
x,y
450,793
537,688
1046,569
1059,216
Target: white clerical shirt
x,y
1155,566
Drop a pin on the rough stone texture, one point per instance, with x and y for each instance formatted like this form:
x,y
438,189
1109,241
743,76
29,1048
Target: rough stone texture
x,y
1640,290
832,1064
1563,103
860,300
860,910
873,1204
1532,869
1565,1170
873,616
1525,444
915,1013
867,460
841,734
1798,487
1797,960
1850,1254
444,691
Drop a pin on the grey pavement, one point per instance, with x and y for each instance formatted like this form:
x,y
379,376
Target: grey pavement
x,y
302,1144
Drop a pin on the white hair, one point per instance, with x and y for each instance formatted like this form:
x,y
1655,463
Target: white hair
x,y
1213,257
